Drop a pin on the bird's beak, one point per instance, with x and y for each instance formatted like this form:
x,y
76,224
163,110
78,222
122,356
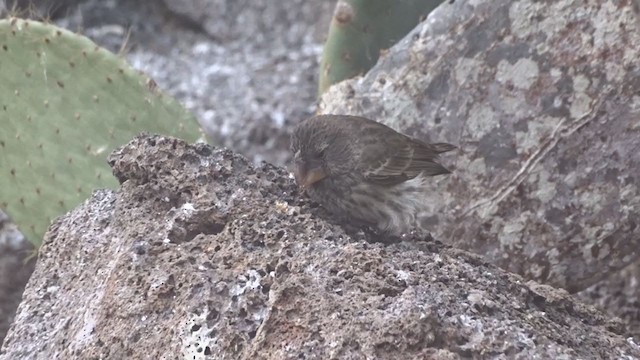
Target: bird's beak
x,y
305,178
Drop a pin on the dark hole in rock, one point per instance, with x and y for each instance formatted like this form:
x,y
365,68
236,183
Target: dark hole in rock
x,y
266,288
195,328
282,268
539,301
209,224
242,313
139,249
465,353
462,340
269,268
213,315
259,242
135,337
388,291
167,294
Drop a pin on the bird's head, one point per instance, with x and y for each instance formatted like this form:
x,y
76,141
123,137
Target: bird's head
x,y
319,150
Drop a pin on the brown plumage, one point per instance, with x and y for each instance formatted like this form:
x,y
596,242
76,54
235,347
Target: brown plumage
x,y
365,171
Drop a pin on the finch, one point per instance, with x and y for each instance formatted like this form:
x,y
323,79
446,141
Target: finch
x,y
364,171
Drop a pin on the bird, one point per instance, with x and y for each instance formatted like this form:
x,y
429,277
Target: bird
x,y
364,171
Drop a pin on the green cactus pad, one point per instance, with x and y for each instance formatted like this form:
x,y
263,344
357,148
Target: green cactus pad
x,y
65,104
360,29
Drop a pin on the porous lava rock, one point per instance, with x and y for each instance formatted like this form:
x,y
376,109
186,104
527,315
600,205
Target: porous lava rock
x,y
199,255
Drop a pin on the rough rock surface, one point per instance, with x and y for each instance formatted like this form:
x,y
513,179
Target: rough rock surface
x,y
542,99
201,255
619,295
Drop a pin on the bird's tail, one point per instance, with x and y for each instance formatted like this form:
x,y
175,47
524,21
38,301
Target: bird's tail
x,y
442,147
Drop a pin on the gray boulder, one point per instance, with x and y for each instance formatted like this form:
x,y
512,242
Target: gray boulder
x,y
542,98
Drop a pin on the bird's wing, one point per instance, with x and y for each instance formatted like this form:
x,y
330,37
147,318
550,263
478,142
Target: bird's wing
x,y
402,159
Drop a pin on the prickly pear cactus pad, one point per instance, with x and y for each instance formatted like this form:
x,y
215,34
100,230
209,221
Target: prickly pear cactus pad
x,y
360,29
65,103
